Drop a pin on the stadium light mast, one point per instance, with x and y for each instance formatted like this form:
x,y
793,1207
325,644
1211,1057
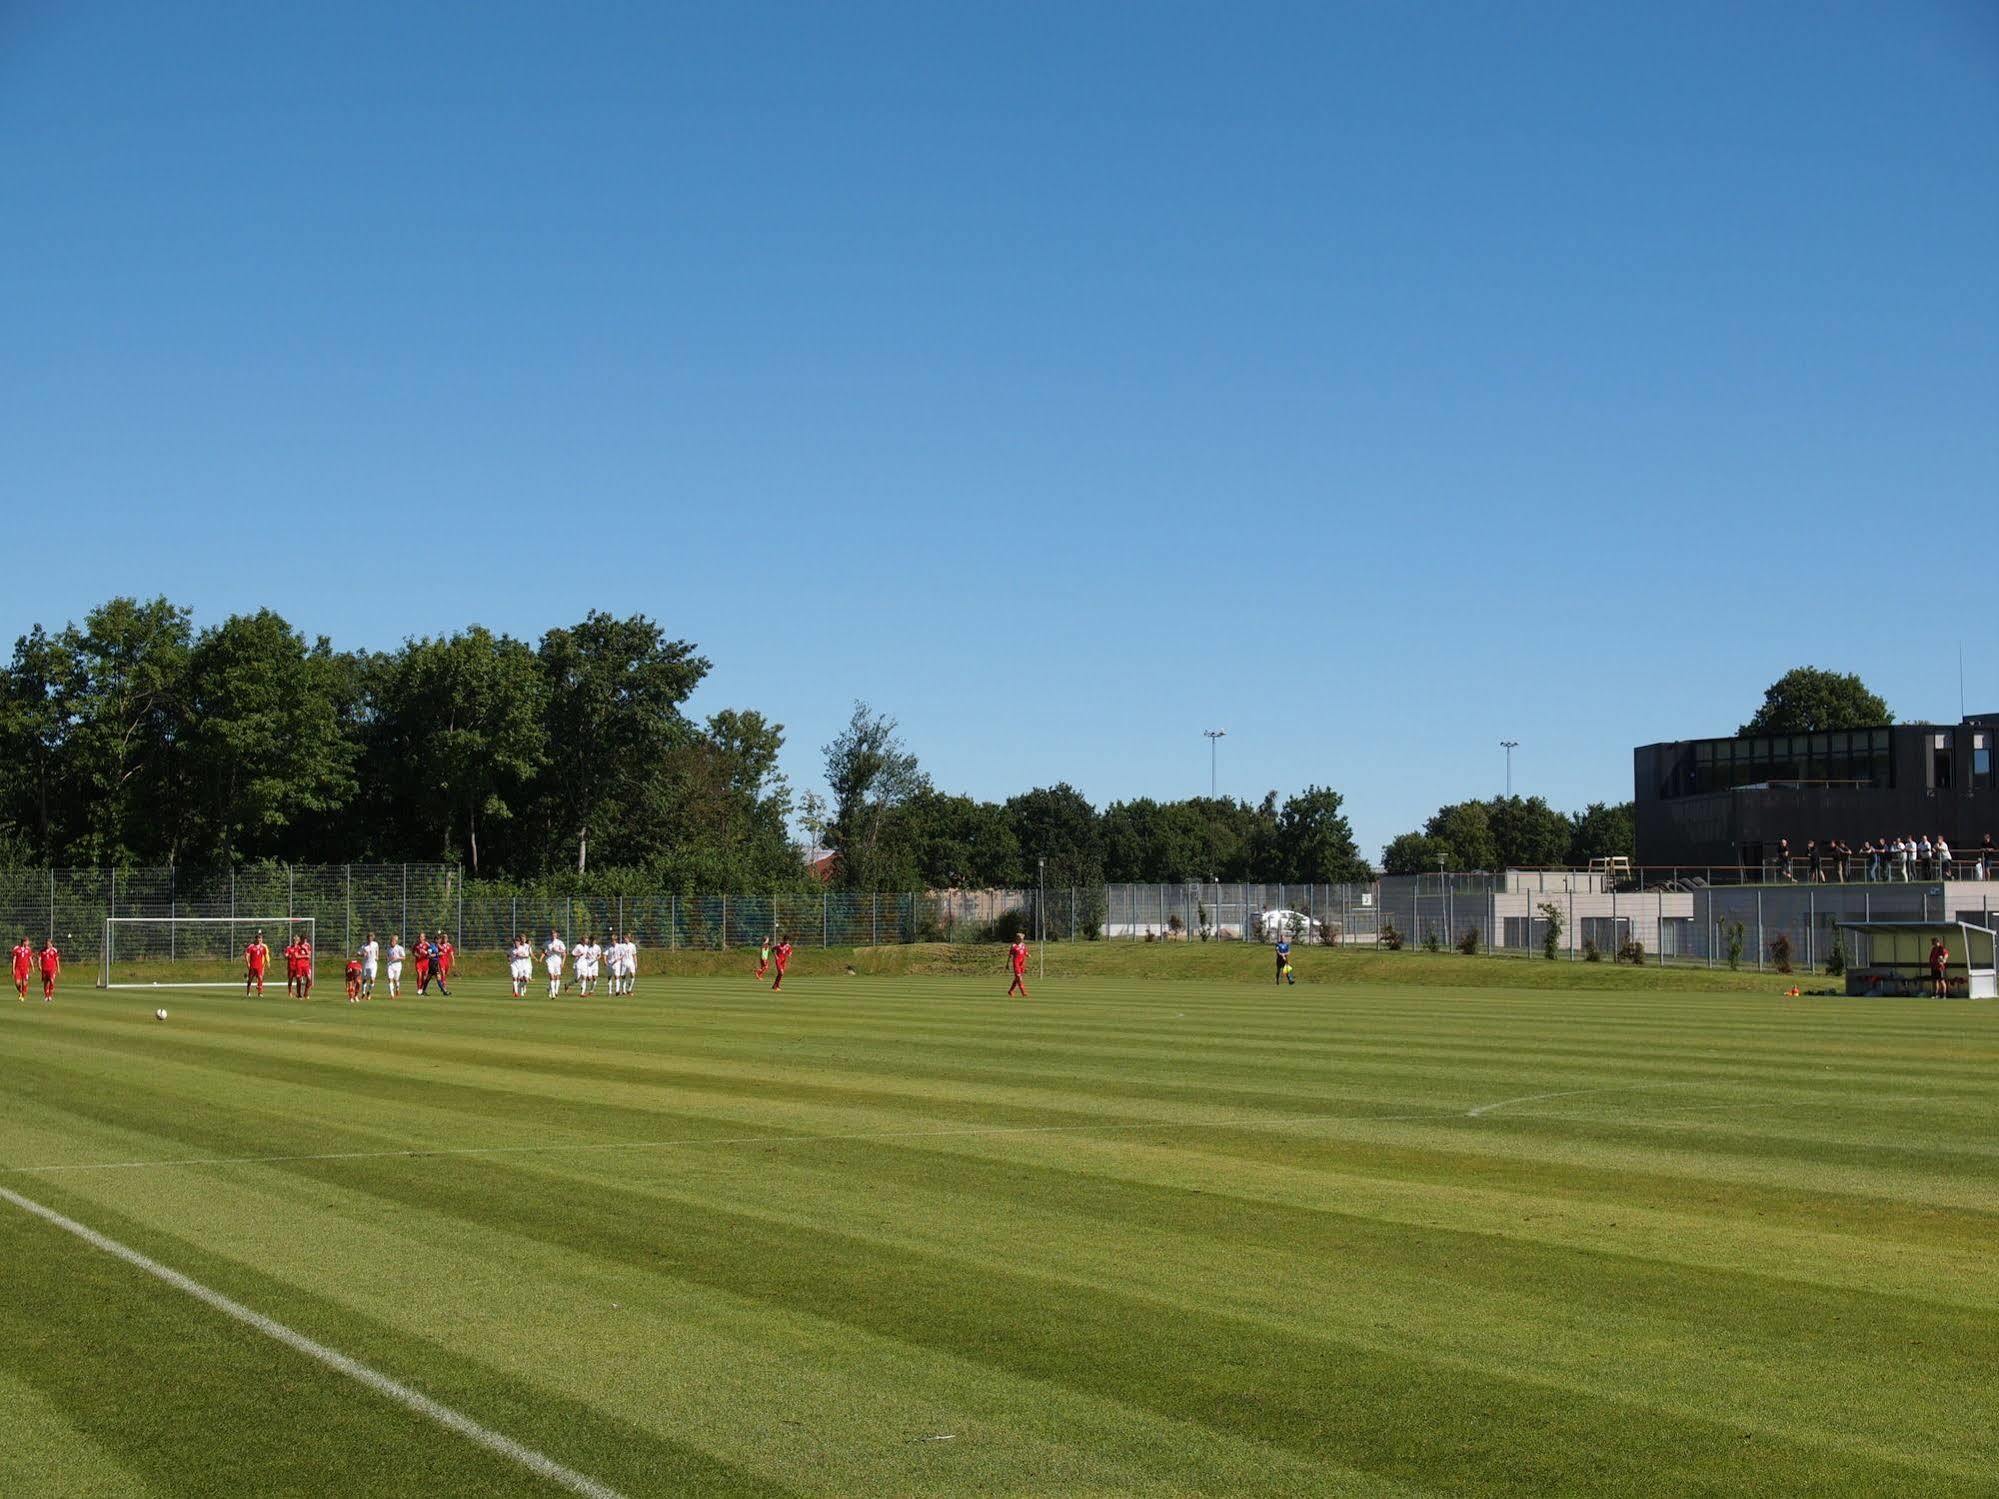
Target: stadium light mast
x,y
1509,745
1212,735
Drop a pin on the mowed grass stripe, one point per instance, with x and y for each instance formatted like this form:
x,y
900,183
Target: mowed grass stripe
x,y
1212,1236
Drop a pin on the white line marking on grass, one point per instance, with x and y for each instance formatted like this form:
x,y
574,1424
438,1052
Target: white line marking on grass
x,y
1506,1103
381,1384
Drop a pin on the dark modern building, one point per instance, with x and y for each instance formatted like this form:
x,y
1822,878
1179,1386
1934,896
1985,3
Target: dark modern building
x,y
1727,802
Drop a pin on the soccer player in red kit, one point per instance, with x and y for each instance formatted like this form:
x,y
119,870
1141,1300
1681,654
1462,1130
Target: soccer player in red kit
x,y
291,967
51,966
1017,956
24,964
446,954
256,958
420,954
304,969
781,956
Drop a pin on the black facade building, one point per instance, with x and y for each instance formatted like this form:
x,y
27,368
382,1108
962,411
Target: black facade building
x,y
1728,802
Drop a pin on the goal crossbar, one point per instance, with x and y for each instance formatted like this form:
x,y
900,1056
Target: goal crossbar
x,y
168,943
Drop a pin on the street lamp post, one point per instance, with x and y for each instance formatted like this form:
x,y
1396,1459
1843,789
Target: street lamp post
x,y
1212,735
1509,745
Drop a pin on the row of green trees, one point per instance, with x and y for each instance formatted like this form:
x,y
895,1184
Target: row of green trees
x,y
132,738
1511,832
892,829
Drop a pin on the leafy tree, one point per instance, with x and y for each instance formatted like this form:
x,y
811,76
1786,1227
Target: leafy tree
x,y
39,796
1809,700
872,777
1412,853
1602,832
730,808
612,710
266,746
1057,823
1527,833
1463,833
1315,840
459,734
127,707
958,841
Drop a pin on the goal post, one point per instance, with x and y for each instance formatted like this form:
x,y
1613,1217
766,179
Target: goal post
x,y
194,952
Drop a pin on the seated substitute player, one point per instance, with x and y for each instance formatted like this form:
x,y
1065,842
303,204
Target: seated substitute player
x,y
1017,959
353,976
51,966
24,965
780,957
520,964
371,959
256,958
552,955
396,956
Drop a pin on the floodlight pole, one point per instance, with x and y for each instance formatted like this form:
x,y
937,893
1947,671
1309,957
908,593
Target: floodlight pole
x,y
1212,735
1041,914
1509,745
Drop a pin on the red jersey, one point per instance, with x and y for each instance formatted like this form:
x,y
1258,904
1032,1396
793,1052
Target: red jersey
x,y
783,956
51,961
1019,952
445,953
24,960
353,969
422,954
255,956
304,956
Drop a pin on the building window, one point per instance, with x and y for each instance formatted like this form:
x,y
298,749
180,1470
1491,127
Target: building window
x,y
1981,760
1940,762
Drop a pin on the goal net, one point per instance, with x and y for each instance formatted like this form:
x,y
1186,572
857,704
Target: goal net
x,y
196,952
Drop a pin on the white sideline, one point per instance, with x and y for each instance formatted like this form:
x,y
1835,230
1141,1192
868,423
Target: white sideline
x,y
381,1384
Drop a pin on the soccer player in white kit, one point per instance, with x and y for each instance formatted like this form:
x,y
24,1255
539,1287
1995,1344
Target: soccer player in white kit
x,y
520,967
371,957
617,964
552,956
631,947
396,956
586,964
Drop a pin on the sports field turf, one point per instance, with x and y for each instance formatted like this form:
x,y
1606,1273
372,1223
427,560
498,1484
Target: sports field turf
x,y
900,1236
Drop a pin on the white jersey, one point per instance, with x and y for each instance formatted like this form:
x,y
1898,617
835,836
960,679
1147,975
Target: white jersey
x,y
396,953
522,952
555,952
631,957
371,954
596,955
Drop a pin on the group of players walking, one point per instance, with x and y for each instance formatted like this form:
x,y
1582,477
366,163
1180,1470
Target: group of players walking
x,y
27,960
586,961
433,959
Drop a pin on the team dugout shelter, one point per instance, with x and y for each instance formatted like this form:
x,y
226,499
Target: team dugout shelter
x,y
1894,958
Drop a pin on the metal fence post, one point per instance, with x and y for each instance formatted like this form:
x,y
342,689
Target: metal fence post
x,y
347,930
825,919
406,897
875,919
1811,927
1759,928
672,922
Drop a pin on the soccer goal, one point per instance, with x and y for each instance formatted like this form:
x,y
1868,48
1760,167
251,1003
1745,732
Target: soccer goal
x,y
195,952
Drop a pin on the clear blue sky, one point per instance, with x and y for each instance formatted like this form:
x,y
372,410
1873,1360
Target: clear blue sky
x,y
1376,382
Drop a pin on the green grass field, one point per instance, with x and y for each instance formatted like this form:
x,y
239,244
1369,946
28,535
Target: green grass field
x,y
892,1234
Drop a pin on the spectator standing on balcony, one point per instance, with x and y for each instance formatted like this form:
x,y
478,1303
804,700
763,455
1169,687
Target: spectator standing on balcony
x,y
1845,853
1925,857
1784,858
1985,858
1943,857
1905,850
1870,865
1814,862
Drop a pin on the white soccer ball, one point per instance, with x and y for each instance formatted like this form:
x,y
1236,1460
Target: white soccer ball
x,y
159,1014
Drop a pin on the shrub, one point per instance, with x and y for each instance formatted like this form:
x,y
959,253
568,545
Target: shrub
x,y
1591,952
1733,932
1468,943
1835,961
1551,935
1174,924
1389,937
1780,952
1632,951
1430,942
